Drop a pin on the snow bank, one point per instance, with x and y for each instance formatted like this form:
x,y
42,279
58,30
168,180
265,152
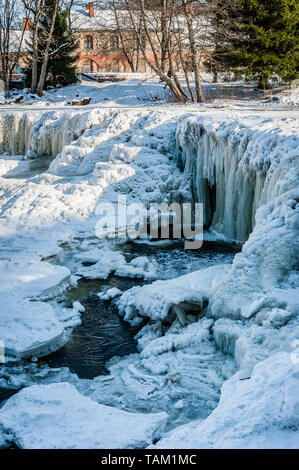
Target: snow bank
x,y
178,370
56,416
29,327
32,278
261,412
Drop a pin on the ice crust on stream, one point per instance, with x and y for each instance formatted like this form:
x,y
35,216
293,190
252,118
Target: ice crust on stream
x,y
197,330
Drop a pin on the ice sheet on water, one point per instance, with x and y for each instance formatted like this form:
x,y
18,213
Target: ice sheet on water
x,y
58,416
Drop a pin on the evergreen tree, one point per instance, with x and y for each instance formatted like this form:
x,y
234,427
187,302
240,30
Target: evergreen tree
x,y
61,68
260,39
271,39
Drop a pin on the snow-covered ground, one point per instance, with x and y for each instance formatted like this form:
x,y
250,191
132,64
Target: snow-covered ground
x,y
231,326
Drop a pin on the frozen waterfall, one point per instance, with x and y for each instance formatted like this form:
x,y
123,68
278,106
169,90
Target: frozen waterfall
x,y
233,170
39,133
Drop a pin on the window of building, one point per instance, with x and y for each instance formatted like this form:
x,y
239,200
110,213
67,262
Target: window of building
x,y
114,42
88,42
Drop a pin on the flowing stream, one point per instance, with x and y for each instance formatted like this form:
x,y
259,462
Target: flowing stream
x,y
103,333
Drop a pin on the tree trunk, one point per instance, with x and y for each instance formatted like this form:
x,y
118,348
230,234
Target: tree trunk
x,y
263,82
40,87
215,76
35,59
156,67
193,49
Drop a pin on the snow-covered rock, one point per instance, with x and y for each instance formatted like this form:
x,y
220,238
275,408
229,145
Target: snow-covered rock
x,y
140,267
179,296
110,294
107,261
57,416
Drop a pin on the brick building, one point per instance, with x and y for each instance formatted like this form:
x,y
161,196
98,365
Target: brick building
x,y
99,43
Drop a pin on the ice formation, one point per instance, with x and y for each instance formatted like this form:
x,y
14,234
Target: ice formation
x,y
73,421
260,412
38,134
30,327
252,171
198,329
173,298
107,261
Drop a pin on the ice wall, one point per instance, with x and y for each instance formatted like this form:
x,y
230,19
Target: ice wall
x,y
39,133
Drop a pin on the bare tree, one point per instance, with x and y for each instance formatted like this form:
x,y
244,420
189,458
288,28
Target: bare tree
x,y
11,40
127,38
182,46
49,34
36,8
189,12
171,35
155,46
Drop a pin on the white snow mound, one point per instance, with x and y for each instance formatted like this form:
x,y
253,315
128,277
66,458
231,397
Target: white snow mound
x,y
29,328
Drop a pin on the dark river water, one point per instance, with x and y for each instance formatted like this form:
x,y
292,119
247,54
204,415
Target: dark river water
x,y
103,334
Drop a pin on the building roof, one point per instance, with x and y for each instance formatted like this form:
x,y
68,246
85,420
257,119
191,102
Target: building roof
x,y
102,19
17,36
105,19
